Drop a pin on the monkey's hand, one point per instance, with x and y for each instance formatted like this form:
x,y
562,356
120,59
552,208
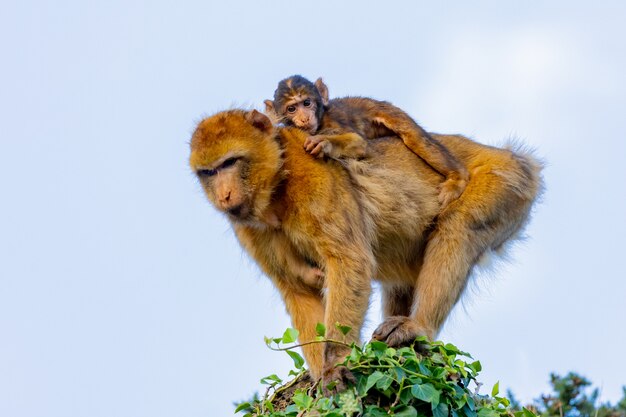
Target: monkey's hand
x,y
317,146
314,277
398,331
450,190
335,379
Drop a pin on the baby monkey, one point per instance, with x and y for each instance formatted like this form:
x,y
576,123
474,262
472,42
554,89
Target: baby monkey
x,y
339,126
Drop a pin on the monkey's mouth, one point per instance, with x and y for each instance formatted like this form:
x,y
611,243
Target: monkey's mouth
x,y
239,213
309,127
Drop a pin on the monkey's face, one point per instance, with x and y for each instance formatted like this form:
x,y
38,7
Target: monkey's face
x,y
235,156
301,111
227,187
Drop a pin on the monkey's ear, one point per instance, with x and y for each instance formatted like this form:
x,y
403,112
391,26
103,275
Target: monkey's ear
x,y
260,121
269,106
321,87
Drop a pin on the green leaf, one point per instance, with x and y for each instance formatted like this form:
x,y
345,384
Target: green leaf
x,y
324,404
440,410
375,411
354,354
373,379
406,397
504,401
400,374
476,366
528,413
242,406
298,361
467,410
405,411
320,330
488,412
384,382
496,389
343,329
424,369
331,385
451,348
361,385
271,380
438,358
302,400
377,345
439,372
460,401
426,393
290,335
470,403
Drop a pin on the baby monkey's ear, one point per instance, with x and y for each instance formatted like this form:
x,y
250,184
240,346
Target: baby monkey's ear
x,y
269,106
270,111
323,90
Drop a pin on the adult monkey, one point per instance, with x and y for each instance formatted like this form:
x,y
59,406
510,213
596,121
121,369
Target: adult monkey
x,y
294,213
339,126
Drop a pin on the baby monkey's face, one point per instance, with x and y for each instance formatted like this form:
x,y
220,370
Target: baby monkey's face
x,y
301,111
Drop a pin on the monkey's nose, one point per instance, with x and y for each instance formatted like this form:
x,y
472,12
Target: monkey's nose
x,y
225,197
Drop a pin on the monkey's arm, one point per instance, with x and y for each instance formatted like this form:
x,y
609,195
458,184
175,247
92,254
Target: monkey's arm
x,y
430,150
336,145
278,259
349,265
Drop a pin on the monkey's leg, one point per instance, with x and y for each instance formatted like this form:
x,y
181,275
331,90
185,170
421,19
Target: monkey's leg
x,y
431,151
306,309
486,215
448,259
348,281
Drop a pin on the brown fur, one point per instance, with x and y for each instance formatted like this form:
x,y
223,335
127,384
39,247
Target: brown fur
x,y
356,220
340,125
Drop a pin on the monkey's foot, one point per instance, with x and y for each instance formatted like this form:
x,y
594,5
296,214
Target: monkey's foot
x,y
317,146
398,331
450,190
336,379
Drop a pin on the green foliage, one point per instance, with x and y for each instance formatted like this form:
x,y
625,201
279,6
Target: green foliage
x,y
432,381
573,396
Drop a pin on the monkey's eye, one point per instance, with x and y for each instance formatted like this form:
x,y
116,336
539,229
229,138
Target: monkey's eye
x,y
228,163
291,108
307,103
206,172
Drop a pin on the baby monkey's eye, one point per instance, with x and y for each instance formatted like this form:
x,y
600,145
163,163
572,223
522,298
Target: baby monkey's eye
x,y
291,108
307,103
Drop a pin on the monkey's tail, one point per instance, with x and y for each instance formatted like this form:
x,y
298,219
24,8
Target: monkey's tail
x,y
528,181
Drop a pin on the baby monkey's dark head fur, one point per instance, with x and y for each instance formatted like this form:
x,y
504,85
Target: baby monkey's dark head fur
x,y
299,102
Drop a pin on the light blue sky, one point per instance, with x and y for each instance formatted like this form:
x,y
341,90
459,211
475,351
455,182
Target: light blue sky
x,y
123,293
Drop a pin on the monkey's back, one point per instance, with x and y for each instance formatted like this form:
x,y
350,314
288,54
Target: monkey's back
x,y
393,193
356,114
398,192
